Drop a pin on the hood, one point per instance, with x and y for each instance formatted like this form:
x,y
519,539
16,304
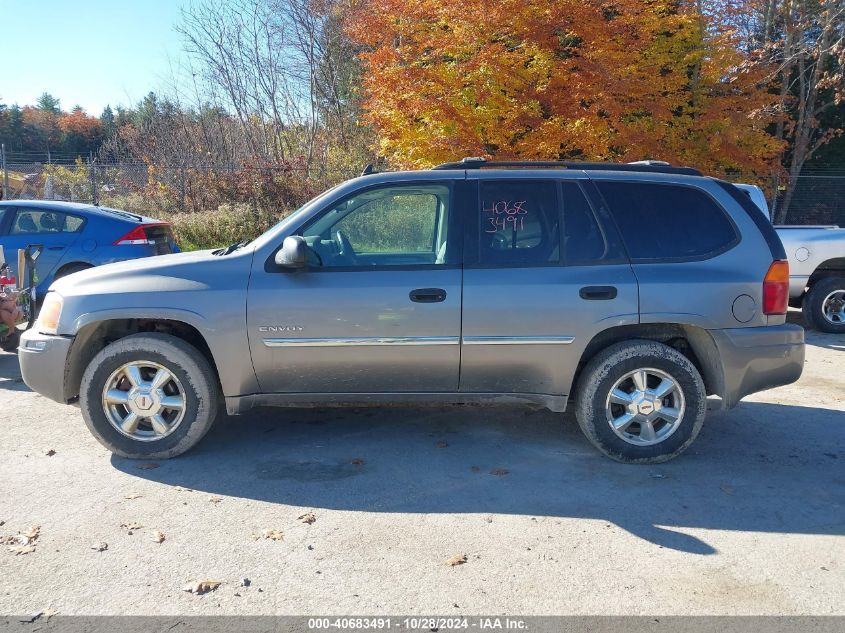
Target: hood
x,y
178,271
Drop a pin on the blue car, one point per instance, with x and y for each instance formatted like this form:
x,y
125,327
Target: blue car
x,y
78,236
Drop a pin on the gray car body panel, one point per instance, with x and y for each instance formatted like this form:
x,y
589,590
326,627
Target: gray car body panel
x,y
503,334
203,290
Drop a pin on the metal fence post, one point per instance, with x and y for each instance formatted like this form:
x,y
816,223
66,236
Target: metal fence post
x,y
5,195
92,174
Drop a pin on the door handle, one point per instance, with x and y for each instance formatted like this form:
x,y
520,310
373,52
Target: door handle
x,y
427,295
598,293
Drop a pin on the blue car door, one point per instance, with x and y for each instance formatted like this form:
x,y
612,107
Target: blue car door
x,y
56,231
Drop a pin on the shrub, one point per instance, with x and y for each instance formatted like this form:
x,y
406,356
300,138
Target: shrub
x,y
225,225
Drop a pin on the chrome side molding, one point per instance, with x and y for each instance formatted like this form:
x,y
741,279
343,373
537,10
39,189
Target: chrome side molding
x,y
361,341
417,340
518,340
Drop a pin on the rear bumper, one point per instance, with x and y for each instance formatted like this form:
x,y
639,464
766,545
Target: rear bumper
x,y
43,360
759,358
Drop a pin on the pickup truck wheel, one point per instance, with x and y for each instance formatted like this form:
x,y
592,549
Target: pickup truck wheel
x,y
640,402
824,305
149,396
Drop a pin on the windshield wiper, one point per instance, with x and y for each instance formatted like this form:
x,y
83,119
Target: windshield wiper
x,y
231,248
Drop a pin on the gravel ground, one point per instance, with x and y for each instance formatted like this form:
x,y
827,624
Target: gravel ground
x,y
751,520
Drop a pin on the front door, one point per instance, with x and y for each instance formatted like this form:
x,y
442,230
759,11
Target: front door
x,y
379,308
543,275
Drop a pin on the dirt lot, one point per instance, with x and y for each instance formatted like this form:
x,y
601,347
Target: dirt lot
x,y
750,521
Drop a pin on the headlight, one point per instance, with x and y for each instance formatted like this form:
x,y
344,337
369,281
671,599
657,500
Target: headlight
x,y
51,312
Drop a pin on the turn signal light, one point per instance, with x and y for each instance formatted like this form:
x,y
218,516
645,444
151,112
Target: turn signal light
x,y
776,288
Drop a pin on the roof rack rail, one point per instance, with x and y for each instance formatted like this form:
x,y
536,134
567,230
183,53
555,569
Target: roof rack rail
x,y
652,166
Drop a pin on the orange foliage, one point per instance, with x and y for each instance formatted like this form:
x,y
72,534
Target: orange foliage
x,y
77,122
557,79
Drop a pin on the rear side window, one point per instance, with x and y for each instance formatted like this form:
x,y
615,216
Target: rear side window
x,y
35,221
660,222
519,222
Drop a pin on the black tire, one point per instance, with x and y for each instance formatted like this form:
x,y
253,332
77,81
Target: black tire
x,y
10,343
813,307
610,365
185,362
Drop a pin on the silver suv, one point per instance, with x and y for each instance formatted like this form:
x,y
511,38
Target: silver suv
x,y
634,290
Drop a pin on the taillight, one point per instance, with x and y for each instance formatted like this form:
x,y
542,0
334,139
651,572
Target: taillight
x,y
776,288
137,236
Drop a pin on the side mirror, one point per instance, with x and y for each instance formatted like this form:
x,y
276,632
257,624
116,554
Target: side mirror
x,y
294,253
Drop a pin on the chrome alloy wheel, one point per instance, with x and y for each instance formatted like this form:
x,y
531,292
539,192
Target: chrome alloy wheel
x,y
833,307
645,406
144,401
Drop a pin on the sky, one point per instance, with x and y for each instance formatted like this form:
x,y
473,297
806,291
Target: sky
x,y
89,52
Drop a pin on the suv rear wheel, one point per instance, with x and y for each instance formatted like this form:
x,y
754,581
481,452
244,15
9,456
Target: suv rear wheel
x,y
640,402
149,396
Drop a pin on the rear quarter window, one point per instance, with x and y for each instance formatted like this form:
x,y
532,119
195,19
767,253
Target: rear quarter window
x,y
668,222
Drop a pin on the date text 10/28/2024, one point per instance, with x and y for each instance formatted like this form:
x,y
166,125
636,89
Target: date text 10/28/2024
x,y
427,623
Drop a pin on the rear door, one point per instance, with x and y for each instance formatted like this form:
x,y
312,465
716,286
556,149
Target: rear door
x,y
55,230
544,273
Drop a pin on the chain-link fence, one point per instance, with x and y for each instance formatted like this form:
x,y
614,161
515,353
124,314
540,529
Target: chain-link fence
x,y
143,187
817,198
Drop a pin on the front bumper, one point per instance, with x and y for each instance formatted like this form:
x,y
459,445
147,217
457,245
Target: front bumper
x,y
759,358
43,360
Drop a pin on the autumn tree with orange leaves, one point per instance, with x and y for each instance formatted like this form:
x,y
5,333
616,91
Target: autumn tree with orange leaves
x,y
560,79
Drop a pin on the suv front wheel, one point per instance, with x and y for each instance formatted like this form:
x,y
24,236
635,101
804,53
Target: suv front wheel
x,y
149,396
640,402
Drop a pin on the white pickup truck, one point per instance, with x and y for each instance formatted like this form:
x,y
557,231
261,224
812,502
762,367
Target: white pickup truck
x,y
816,268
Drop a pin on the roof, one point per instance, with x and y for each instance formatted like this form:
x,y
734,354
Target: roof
x,y
77,207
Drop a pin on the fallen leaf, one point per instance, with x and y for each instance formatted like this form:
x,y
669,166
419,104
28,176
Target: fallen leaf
x,y
215,499
149,466
33,533
18,550
273,535
308,518
133,496
100,547
50,453
499,471
25,538
728,490
457,559
442,444
157,536
357,461
200,587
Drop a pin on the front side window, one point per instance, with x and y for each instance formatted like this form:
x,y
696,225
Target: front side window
x,y
395,225
36,221
519,222
660,222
